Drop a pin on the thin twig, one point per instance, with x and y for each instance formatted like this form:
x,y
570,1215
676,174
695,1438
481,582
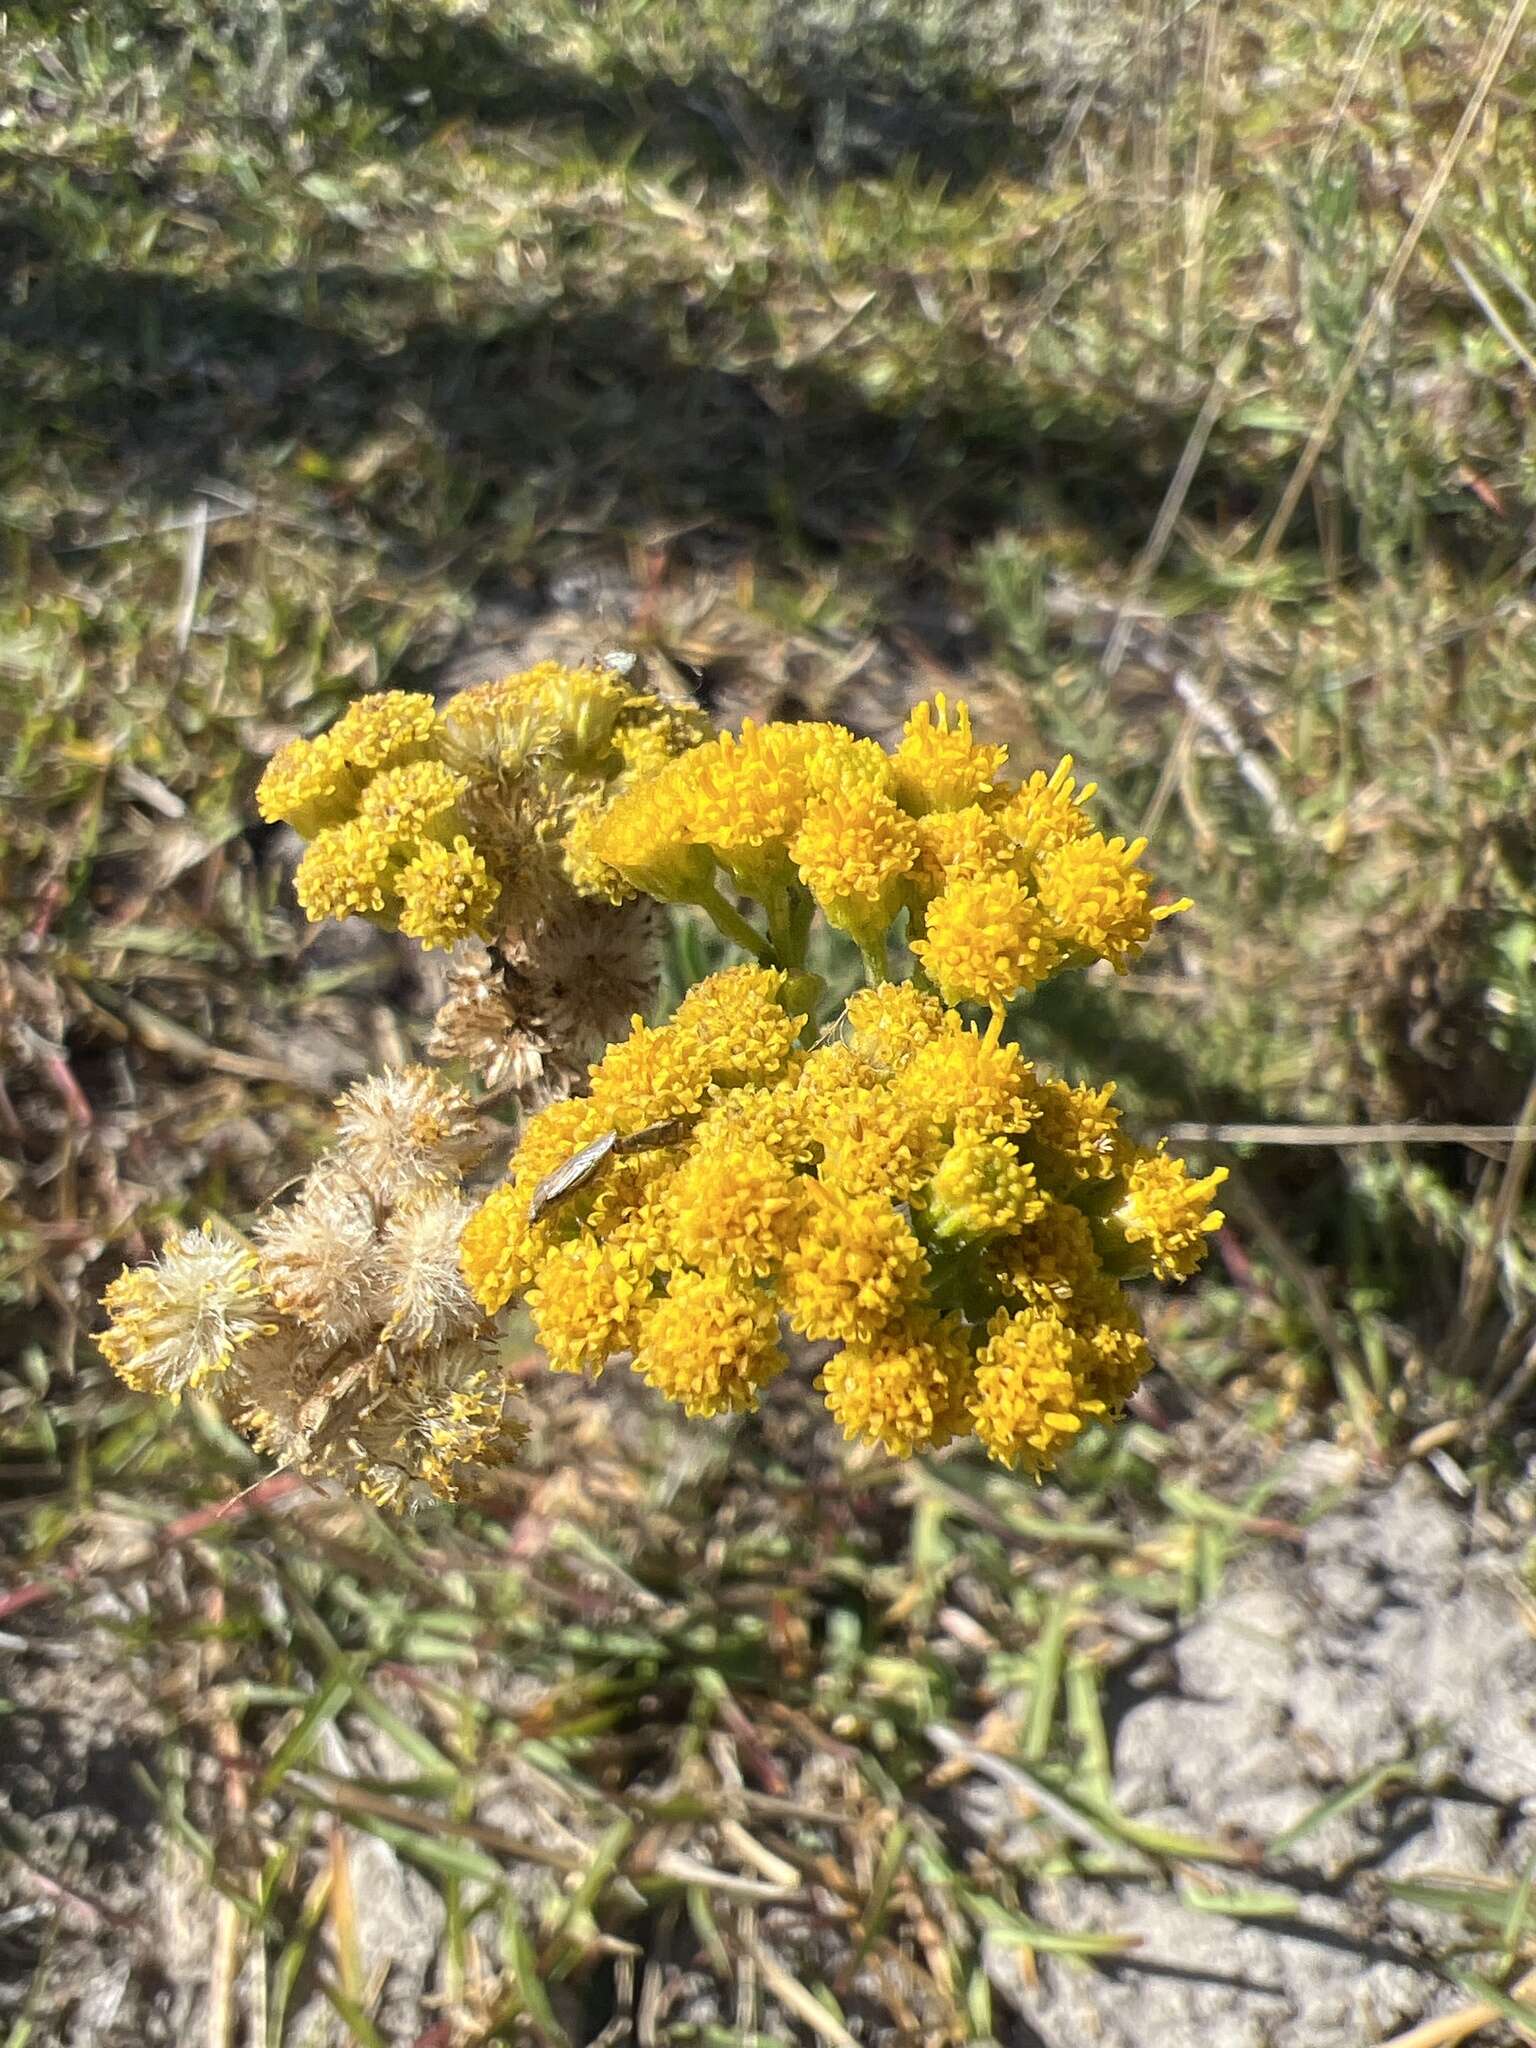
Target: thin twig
x,y
191,574
1353,1134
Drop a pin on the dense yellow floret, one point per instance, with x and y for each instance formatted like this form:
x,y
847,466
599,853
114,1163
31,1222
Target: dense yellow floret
x,y
939,766
1032,1395
981,1188
854,1264
890,1024
907,1388
1097,897
743,1028
968,845
386,730
747,797
1050,1261
1165,1212
447,893
1047,812
711,1344
966,1079
649,836
308,785
501,1248
988,941
1075,1134
408,803
733,1207
349,871
659,1072
854,851
587,1302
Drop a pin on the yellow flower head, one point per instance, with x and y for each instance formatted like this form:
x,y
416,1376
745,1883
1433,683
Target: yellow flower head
x,y
1047,812
1165,1213
988,941
969,845
1031,1398
447,893
981,1188
872,1141
711,1344
733,1207
740,1021
906,1389
500,1250
182,1321
649,836
1074,1136
776,1117
307,784
748,797
658,1072
348,871
386,730
642,749
965,1080
836,762
1051,1261
1097,898
890,1024
413,802
585,705
854,852
853,1265
587,1301
495,730
939,766
1104,1315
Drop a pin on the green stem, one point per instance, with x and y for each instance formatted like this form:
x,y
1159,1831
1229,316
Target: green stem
x,y
876,965
732,925
781,926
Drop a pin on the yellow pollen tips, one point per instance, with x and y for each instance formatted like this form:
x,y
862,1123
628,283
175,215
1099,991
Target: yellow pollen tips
x,y
308,784
988,941
348,872
939,766
447,893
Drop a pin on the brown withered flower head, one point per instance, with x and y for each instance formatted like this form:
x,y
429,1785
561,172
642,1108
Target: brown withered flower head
x,y
342,1339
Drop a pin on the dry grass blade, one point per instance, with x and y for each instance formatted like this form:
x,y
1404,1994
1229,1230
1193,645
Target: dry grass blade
x,y
1477,1136
1467,2020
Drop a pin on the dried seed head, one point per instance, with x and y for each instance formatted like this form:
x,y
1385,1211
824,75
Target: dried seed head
x,y
185,1320
320,1256
402,1129
422,1292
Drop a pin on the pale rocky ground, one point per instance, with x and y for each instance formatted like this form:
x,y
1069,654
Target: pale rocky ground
x,y
1400,1630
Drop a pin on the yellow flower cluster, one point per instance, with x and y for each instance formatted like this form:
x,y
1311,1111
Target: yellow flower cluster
x,y
1002,883
902,1192
909,1191
440,824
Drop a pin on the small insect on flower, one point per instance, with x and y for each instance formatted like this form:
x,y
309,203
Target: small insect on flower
x,y
582,1167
